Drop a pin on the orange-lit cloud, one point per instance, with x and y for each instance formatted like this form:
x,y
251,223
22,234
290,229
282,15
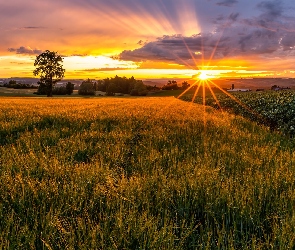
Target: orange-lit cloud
x,y
150,39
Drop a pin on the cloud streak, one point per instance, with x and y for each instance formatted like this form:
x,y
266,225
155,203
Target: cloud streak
x,y
25,50
227,3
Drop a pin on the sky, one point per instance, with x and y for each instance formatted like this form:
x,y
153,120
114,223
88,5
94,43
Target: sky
x,y
154,39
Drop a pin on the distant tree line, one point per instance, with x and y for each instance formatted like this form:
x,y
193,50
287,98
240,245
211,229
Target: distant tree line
x,y
14,85
111,87
114,85
124,85
172,85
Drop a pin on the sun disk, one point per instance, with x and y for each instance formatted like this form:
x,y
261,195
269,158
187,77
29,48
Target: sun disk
x,y
203,76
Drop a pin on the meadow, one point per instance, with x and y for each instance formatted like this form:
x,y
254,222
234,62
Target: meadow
x,y
141,173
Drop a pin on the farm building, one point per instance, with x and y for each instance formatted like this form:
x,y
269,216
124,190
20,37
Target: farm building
x,y
239,90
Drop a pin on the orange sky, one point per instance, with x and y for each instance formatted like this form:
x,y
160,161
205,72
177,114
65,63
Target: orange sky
x,y
150,39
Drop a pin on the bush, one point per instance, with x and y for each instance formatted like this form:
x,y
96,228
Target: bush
x,y
60,91
134,92
42,89
70,88
143,93
86,88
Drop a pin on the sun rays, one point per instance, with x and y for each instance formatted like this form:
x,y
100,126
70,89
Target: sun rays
x,y
205,85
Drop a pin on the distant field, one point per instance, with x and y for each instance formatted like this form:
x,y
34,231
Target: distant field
x,y
176,93
10,92
16,92
141,173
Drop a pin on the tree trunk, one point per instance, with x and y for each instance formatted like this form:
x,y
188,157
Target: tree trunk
x,y
49,90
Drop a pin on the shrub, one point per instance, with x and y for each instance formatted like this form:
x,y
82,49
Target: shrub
x,y
134,92
70,88
86,88
60,91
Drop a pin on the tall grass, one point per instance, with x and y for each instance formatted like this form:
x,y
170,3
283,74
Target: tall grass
x,y
152,173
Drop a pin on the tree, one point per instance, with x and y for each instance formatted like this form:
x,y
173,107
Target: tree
x,y
49,67
185,85
42,89
171,85
139,88
86,88
70,88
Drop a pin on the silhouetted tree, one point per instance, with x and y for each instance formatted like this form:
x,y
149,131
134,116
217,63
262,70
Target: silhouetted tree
x,y
49,67
111,89
70,88
42,89
185,85
100,86
86,88
171,85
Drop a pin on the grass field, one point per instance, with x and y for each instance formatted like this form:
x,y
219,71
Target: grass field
x,y
16,92
275,109
180,92
10,92
141,173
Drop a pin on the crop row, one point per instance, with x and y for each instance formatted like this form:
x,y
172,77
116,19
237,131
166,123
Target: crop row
x,y
270,108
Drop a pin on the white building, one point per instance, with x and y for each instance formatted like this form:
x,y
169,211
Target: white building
x,y
239,90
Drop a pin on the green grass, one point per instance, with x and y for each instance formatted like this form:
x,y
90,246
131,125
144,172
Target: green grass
x,y
275,109
16,92
150,173
10,92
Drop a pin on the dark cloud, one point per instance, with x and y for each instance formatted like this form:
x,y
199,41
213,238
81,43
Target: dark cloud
x,y
176,48
269,34
141,42
222,21
227,3
234,16
32,28
259,42
288,41
271,9
271,17
25,50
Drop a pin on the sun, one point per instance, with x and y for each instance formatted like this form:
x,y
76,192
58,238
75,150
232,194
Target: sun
x,y
204,76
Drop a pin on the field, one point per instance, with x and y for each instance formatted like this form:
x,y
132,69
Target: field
x,y
141,173
16,92
275,109
10,92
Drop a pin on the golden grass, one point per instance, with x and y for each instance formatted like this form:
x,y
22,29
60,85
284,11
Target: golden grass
x,y
140,173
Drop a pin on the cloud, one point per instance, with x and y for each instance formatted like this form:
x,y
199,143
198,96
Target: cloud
x,y
233,16
222,21
141,42
103,69
271,17
177,49
32,28
288,41
227,3
267,35
271,9
25,50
